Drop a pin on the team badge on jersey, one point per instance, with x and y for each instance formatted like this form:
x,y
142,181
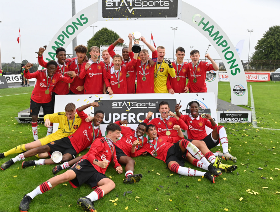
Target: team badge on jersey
x,y
184,70
53,81
161,69
170,123
52,143
99,67
78,167
200,124
75,127
160,140
198,69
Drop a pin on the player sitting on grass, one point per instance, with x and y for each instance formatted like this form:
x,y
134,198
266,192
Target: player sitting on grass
x,y
196,129
91,170
68,146
68,121
123,151
171,154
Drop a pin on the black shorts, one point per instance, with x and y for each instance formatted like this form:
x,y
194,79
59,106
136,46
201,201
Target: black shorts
x,y
48,108
63,145
210,143
86,173
119,152
175,154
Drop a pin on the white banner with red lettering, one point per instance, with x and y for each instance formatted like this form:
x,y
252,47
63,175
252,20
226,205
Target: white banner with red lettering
x,y
250,76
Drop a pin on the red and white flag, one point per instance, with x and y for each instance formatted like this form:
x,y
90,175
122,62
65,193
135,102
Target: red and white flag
x,y
18,39
152,38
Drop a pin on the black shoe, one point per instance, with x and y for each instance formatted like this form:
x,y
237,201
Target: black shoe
x,y
86,204
2,155
210,177
24,204
56,169
213,170
28,163
132,178
7,164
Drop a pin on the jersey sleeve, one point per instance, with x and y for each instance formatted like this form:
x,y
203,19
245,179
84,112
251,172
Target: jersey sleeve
x,y
111,51
131,55
83,71
209,67
168,82
171,72
208,124
182,124
140,151
82,115
66,79
42,62
29,75
96,147
115,159
105,78
184,118
54,118
154,55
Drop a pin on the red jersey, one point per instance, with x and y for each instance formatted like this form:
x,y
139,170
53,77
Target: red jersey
x,y
178,83
118,80
43,84
82,138
94,76
62,87
164,125
74,66
127,139
158,148
130,75
196,126
197,76
100,150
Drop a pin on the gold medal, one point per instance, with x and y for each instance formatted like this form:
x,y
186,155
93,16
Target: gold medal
x,y
47,92
178,78
144,78
168,132
119,85
194,80
127,75
155,154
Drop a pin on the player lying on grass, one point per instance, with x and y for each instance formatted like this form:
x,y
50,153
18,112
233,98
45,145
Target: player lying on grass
x,y
171,154
69,121
165,122
91,170
123,151
196,130
69,146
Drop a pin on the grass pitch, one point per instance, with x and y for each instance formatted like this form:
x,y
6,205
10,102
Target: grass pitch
x,y
254,186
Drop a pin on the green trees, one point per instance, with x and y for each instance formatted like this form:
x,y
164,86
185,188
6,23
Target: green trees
x,y
267,54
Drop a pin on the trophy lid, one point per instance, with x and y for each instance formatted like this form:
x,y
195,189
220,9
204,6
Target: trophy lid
x,y
56,156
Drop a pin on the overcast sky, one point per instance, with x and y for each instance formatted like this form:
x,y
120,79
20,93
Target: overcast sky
x,y
40,20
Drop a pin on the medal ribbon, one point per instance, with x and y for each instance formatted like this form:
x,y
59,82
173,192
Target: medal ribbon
x,y
98,130
144,70
111,146
60,68
179,70
78,67
165,124
158,69
154,145
69,124
48,80
195,66
117,75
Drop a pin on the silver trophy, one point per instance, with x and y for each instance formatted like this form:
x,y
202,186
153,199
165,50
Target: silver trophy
x,y
136,47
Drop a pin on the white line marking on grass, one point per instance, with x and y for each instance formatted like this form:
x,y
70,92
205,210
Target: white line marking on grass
x,y
254,113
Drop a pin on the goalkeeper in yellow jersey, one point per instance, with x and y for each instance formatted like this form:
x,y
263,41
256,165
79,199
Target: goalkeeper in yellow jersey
x,y
68,121
162,69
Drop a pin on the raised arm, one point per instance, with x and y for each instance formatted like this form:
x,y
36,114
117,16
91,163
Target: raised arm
x,y
215,66
147,44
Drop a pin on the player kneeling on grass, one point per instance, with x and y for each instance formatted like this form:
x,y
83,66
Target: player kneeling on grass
x,y
68,121
68,146
196,130
123,151
172,154
91,170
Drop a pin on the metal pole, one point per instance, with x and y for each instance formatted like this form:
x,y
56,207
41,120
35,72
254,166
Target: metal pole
x,y
174,28
93,30
249,46
74,42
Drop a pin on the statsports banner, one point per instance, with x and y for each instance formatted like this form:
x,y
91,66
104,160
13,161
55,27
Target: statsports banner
x,y
135,107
